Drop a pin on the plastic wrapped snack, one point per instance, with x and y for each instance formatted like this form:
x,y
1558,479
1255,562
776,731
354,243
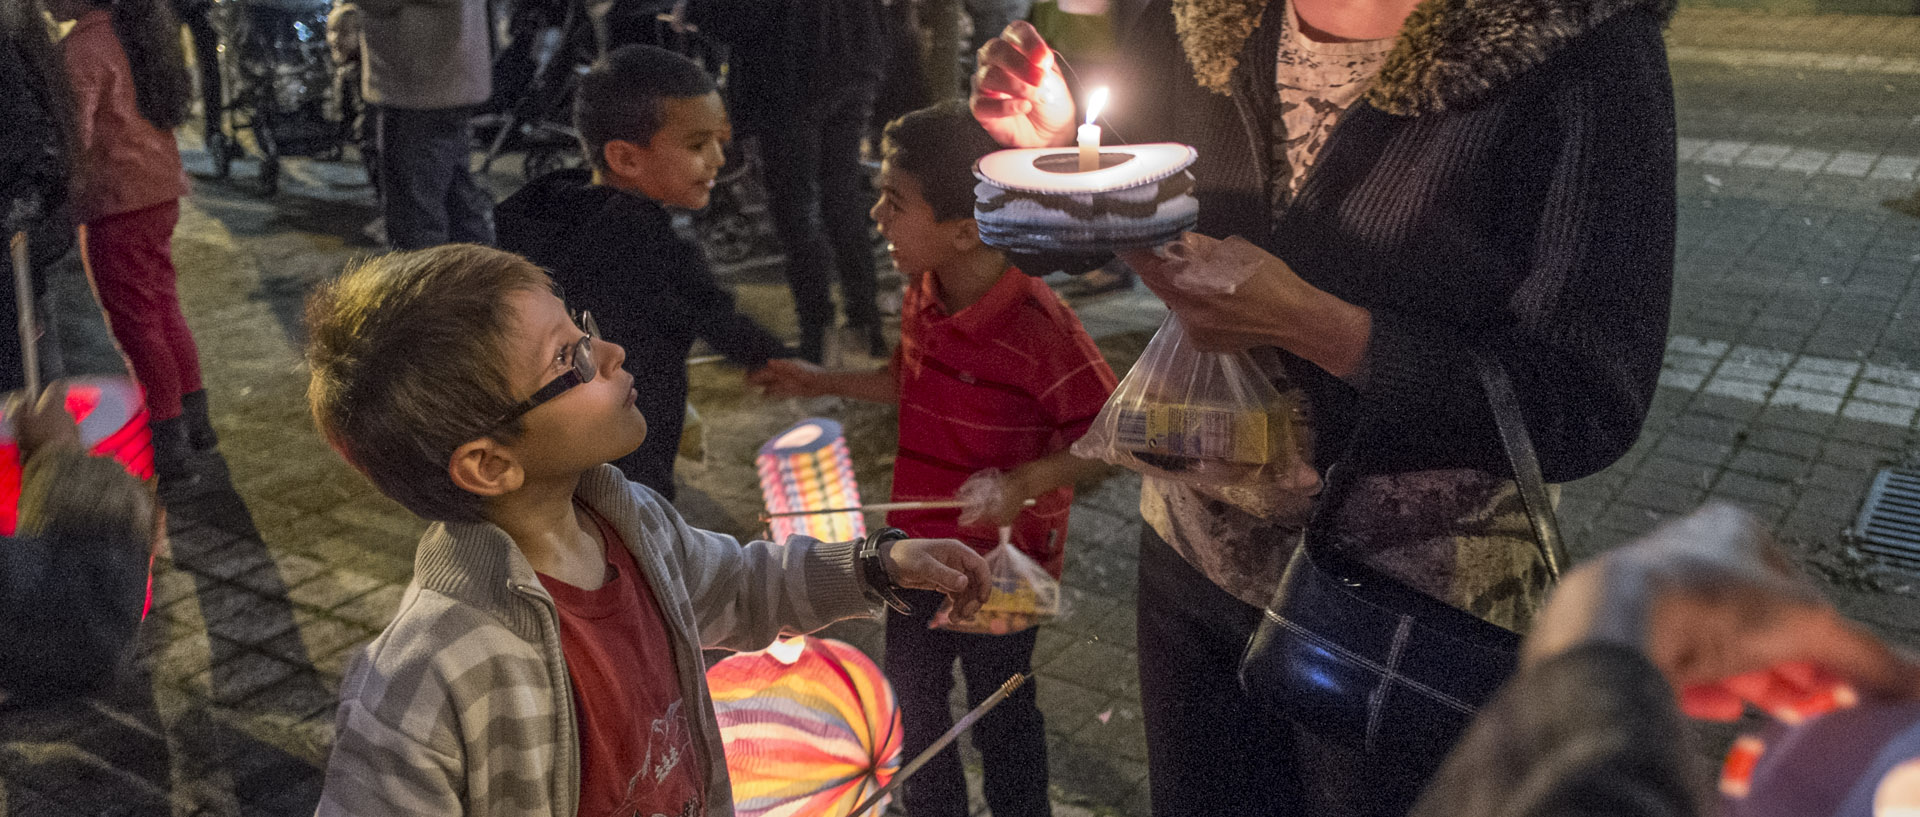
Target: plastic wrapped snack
x,y
1023,596
1194,416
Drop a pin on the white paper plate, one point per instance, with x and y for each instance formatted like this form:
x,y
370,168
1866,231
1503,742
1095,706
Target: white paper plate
x,y
1016,169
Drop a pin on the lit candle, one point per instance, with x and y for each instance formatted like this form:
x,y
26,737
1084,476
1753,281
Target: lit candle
x,y
1088,136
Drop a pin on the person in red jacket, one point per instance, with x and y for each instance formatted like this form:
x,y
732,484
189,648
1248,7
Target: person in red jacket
x,y
130,90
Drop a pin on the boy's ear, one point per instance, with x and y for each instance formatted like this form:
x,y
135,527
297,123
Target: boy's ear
x,y
486,468
623,157
966,234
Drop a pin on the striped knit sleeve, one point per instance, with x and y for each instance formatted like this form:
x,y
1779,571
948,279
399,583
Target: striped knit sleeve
x,y
447,712
1583,330
376,766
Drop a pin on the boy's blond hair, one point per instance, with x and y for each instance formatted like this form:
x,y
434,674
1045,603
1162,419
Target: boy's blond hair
x,y
406,351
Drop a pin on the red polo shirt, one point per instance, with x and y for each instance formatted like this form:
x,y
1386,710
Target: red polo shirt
x,y
1006,381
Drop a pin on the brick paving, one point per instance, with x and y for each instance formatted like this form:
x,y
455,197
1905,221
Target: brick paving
x,y
1793,373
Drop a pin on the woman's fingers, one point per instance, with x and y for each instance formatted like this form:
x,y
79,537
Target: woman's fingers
x,y
1005,71
1033,48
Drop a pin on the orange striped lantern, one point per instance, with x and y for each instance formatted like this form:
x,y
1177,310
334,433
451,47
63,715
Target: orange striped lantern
x,y
811,728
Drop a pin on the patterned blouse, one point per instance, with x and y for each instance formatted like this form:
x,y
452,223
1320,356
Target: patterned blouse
x,y
1481,558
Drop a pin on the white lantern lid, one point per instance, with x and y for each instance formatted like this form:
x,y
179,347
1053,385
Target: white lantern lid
x,y
1027,170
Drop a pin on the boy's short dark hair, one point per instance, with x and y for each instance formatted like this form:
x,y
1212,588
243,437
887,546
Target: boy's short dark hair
x,y
619,98
406,351
938,145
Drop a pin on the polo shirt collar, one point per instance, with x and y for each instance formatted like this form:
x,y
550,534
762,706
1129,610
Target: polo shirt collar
x,y
985,314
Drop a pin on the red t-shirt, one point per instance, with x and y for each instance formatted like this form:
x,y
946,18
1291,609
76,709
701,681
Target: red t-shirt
x,y
637,752
1006,381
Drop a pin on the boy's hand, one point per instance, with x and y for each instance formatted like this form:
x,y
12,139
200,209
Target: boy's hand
x,y
788,377
945,565
46,425
992,497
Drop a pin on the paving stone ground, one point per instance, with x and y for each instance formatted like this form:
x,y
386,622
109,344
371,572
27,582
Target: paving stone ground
x,y
1792,375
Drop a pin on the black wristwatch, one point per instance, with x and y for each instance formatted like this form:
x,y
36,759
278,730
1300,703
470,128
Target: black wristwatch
x,y
879,586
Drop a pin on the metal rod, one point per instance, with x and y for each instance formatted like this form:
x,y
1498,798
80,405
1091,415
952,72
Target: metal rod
x,y
881,507
23,300
948,738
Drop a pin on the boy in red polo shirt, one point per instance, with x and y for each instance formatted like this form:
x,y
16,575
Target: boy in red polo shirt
x,y
993,373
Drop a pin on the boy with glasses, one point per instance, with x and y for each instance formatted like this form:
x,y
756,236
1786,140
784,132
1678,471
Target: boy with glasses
x,y
546,657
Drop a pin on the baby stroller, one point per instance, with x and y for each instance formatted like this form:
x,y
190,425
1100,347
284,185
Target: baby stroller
x,y
279,84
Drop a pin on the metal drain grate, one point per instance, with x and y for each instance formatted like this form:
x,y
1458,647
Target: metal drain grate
x,y
1889,523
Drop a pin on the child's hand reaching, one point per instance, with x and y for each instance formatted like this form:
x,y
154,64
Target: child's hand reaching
x,y
788,377
945,565
992,497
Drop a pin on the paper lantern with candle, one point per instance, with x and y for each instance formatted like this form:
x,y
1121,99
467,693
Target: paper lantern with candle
x,y
807,468
1085,199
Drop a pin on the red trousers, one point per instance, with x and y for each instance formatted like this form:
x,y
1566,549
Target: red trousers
x,y
131,258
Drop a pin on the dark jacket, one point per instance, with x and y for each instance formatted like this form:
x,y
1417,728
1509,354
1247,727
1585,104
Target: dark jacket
x,y
788,55
618,256
34,165
1508,183
1594,731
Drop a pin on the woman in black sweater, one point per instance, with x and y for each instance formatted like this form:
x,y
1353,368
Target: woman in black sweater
x,y
1432,178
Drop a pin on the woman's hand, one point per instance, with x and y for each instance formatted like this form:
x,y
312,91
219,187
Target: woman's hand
x,y
46,425
1719,610
1232,295
946,565
1019,95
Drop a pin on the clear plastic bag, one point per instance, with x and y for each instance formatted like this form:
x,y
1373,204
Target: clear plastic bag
x,y
1024,595
1188,415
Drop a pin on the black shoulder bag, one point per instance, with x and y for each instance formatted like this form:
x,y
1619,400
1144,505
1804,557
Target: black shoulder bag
x,y
1358,657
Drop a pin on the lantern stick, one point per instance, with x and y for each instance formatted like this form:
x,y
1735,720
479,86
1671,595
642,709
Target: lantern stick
x,y
882,507
948,738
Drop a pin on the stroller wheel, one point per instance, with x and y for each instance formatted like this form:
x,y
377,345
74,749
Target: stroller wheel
x,y
543,160
220,150
730,237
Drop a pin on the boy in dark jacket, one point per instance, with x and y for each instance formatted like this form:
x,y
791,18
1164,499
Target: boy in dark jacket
x,y
653,128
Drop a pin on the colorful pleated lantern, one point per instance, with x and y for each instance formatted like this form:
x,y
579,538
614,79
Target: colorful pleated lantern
x,y
112,414
807,468
810,725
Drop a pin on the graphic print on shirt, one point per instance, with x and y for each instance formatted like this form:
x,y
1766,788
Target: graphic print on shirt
x,y
669,744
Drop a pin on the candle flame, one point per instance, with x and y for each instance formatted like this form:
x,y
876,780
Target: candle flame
x,y
1095,102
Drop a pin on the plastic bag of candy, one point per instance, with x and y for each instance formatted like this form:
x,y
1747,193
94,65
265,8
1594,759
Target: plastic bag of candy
x,y
1194,416
1023,596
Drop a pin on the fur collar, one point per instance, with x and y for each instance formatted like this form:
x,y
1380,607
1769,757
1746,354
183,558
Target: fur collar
x,y
1449,51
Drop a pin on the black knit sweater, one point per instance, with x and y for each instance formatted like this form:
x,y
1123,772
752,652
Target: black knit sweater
x,y
650,290
1507,184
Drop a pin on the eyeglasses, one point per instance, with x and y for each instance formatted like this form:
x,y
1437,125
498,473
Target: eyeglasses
x,y
583,371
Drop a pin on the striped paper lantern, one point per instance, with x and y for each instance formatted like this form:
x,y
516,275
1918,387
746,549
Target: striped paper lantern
x,y
807,468
810,725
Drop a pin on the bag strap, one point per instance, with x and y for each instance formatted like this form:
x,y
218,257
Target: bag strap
x,y
1525,461
1514,440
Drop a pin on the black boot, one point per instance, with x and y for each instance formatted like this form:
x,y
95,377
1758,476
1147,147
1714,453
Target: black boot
x,y
173,457
200,434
